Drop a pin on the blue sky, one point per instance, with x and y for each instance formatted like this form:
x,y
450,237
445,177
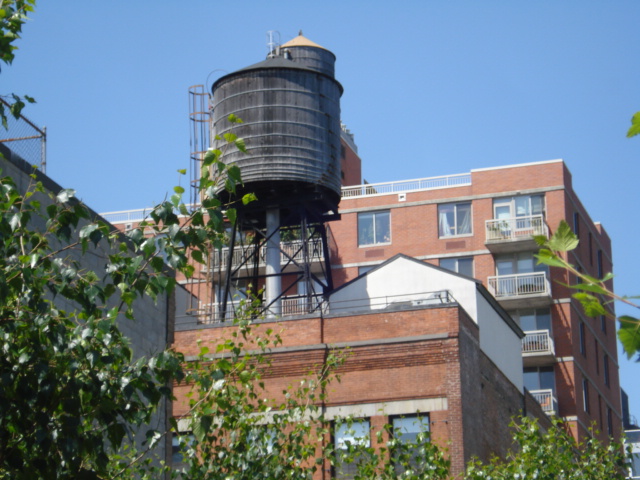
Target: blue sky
x,y
431,88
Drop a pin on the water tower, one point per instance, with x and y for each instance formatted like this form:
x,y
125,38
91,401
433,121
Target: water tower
x,y
290,108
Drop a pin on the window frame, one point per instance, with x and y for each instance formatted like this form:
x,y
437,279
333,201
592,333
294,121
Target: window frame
x,y
457,265
586,403
455,206
338,470
374,233
423,420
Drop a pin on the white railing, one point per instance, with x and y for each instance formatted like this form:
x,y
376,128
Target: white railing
x,y
137,215
546,399
519,285
518,228
290,250
538,341
407,185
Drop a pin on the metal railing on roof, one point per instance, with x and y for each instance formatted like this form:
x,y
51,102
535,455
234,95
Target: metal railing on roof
x,y
386,188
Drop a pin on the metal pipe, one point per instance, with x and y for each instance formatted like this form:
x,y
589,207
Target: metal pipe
x,y
273,287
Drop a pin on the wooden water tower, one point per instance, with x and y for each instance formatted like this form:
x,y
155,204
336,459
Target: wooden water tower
x,y
290,108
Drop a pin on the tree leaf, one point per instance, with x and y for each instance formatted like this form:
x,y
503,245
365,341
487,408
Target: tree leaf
x,y
563,240
629,335
635,126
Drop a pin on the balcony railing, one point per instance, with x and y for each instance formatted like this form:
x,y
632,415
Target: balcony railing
x,y
518,228
386,188
290,250
519,285
538,342
546,399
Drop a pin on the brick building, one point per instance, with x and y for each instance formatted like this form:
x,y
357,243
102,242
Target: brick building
x,y
480,224
466,367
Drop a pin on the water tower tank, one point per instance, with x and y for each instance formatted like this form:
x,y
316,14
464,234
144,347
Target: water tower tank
x,y
290,107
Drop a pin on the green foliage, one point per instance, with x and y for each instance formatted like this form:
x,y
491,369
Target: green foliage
x,y
74,400
634,129
593,293
13,14
552,455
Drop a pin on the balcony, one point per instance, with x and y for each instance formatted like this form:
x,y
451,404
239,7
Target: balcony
x,y
508,235
547,400
523,290
537,348
291,250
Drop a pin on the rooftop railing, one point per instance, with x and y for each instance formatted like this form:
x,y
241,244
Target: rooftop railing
x,y
294,305
386,188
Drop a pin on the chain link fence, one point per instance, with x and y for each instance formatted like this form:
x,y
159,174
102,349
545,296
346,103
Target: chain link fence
x,y
24,139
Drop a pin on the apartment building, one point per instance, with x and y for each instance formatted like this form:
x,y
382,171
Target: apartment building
x,y
481,224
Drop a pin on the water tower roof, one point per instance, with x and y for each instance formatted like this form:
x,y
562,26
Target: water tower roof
x,y
302,41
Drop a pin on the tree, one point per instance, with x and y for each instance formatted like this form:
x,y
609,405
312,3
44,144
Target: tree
x,y
73,398
13,14
552,455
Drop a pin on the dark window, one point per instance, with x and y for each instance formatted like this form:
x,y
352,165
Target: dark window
x,y
585,396
600,269
606,370
458,265
374,228
583,344
603,323
576,224
609,422
533,319
595,347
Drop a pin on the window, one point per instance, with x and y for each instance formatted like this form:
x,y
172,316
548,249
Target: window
x,y
350,439
590,249
603,323
515,263
454,219
411,433
533,319
606,370
521,206
458,265
610,423
595,349
585,396
576,224
180,444
374,228
539,378
600,268
583,345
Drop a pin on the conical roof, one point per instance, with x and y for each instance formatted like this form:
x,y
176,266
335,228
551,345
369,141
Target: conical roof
x,y
302,41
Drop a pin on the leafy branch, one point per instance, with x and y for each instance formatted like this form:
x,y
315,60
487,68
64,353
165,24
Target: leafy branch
x,y
593,293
